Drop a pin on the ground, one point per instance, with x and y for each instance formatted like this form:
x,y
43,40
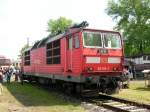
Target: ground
x,y
28,98
137,91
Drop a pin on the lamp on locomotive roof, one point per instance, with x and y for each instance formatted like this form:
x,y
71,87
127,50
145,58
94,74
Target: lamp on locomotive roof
x,y
81,25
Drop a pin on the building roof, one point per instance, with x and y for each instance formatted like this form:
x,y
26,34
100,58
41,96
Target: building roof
x,y
2,57
4,61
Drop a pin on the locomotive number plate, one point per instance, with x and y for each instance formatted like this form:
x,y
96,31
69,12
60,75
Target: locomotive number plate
x,y
104,68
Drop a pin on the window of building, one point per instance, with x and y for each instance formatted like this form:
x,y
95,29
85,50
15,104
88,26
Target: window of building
x,y
148,57
144,57
77,42
27,58
53,52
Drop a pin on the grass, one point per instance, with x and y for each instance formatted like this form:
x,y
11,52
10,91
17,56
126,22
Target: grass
x,y
137,92
28,98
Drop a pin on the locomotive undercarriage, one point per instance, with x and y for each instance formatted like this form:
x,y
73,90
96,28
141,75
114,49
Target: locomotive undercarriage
x,y
104,84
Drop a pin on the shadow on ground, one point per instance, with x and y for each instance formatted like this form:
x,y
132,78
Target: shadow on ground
x,y
30,95
143,88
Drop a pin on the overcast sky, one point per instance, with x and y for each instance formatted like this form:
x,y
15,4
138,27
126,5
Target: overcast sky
x,y
22,19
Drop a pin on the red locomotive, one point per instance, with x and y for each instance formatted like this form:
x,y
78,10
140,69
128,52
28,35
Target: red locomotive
x,y
78,58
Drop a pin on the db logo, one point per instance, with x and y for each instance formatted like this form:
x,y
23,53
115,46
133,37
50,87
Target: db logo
x,y
104,60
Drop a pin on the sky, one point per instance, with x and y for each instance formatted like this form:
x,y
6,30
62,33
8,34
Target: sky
x,y
22,19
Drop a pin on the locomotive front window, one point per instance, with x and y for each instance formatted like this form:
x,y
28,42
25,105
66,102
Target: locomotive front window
x,y
112,40
92,39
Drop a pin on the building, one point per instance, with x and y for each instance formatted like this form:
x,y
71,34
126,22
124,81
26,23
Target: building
x,y
145,59
140,63
4,62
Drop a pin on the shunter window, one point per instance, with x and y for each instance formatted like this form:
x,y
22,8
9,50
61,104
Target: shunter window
x,y
53,52
27,58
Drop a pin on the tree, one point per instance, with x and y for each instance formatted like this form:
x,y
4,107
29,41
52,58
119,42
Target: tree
x,y
133,18
26,46
59,25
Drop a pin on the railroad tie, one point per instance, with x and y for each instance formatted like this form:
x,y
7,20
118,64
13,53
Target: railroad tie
x,y
139,110
128,107
112,103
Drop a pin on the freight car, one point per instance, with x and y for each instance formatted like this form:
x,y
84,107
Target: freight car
x,y
77,59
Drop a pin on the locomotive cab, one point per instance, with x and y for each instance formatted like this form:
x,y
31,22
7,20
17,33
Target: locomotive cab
x,y
102,57
102,52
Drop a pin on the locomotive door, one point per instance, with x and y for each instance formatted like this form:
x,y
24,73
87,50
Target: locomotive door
x,y
69,53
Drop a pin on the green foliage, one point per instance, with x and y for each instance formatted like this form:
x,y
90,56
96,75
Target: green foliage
x,y
59,25
26,46
133,18
137,92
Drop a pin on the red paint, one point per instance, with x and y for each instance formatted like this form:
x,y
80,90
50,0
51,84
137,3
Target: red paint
x,y
73,61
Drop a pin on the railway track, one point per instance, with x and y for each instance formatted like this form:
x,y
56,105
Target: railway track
x,y
105,103
116,104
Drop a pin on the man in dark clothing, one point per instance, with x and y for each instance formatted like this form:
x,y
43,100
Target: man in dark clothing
x,y
21,76
9,73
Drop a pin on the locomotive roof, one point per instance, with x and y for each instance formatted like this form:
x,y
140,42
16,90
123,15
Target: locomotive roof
x,y
55,38
74,29
40,43
70,31
28,49
64,34
35,45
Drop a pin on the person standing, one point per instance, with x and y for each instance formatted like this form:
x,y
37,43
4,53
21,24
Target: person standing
x,y
1,81
9,73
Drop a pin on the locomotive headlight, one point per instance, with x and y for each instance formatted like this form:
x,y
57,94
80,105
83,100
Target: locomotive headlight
x,y
114,60
89,69
114,69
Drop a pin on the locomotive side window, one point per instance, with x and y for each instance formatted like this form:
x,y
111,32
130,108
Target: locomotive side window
x,y
56,52
53,52
70,43
77,42
49,53
27,58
